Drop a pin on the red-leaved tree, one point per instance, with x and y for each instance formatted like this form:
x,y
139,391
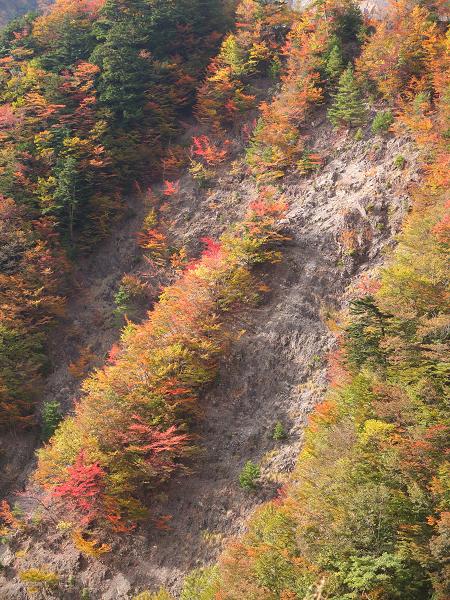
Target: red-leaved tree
x,y
155,451
83,490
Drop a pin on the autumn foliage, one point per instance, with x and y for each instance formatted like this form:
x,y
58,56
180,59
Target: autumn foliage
x,y
82,491
366,513
209,152
252,51
32,267
280,139
129,432
91,94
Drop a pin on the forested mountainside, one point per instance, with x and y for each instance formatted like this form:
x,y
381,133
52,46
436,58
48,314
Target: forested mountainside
x,y
224,301
10,9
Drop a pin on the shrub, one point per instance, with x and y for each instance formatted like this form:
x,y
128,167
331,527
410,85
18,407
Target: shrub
x,y
359,135
249,475
64,525
10,517
37,579
162,594
279,432
399,161
132,290
122,300
200,173
201,584
91,548
275,69
382,121
308,162
209,152
79,367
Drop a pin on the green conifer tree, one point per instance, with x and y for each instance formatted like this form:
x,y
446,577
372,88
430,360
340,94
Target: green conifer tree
x,y
123,32
51,417
66,196
348,106
334,65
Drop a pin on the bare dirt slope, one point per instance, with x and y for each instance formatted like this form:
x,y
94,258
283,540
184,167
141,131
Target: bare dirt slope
x,y
340,221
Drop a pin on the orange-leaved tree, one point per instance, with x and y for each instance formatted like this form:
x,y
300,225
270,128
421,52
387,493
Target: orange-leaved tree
x,y
278,141
252,51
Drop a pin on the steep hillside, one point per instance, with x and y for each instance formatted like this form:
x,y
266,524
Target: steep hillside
x,y
75,141
246,380
88,329
360,189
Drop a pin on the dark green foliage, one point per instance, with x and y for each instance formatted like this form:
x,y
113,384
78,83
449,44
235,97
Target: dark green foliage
x,y
75,42
9,41
365,333
348,24
51,417
382,121
334,65
172,25
279,432
136,39
348,107
21,360
67,192
123,32
249,476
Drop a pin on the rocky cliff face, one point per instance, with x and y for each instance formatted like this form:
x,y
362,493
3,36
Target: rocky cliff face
x,y
340,221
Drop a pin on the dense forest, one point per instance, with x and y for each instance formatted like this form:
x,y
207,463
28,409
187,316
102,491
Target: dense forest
x,y
100,100
91,96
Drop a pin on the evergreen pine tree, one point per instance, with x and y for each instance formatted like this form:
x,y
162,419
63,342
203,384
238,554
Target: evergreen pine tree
x,y
123,30
249,475
66,196
51,417
348,107
183,27
334,65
